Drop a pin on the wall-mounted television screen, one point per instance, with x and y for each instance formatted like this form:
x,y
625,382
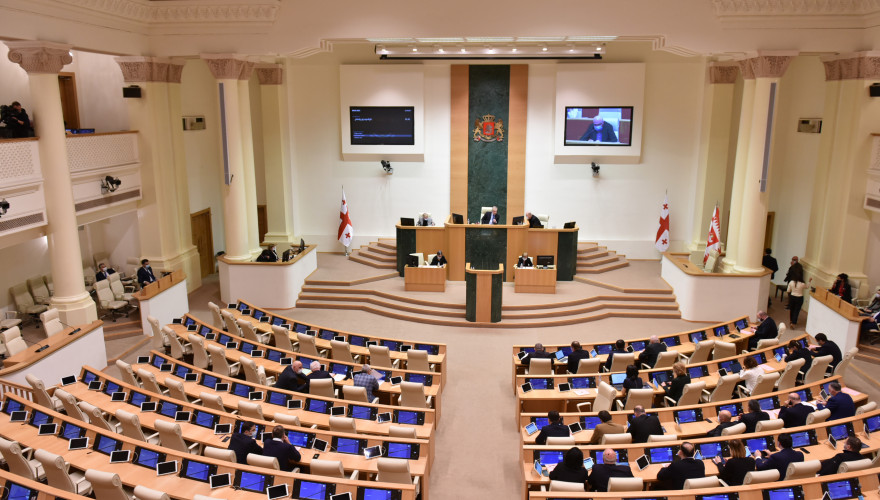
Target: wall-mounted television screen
x,y
598,126
382,125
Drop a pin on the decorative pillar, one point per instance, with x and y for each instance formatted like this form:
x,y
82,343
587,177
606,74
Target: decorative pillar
x,y
839,225
739,169
226,68
768,68
163,213
42,61
247,153
276,154
714,147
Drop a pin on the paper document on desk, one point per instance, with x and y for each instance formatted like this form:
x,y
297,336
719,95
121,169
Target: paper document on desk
x,y
767,368
851,392
581,392
377,375
338,378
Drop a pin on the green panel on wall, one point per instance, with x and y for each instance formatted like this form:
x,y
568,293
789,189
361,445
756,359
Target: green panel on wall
x,y
496,297
485,248
470,304
489,94
406,244
566,261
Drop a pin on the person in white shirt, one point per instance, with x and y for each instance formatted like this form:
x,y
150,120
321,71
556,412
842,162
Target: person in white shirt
x,y
750,373
796,289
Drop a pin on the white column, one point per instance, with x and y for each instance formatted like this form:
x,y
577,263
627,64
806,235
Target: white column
x,y
273,99
247,153
42,61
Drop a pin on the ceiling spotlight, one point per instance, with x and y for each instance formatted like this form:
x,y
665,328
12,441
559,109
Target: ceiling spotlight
x,y
415,49
386,166
4,206
598,48
463,50
513,49
490,50
439,49
570,47
110,184
543,48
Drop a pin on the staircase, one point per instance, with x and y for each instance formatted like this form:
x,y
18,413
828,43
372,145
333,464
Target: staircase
x,y
380,254
595,259
869,353
121,337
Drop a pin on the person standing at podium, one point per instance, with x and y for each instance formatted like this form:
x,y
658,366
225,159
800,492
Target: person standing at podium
x,y
525,261
439,259
491,217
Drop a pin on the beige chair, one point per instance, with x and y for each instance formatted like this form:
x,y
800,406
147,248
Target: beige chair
x,y
701,353
395,470
625,484
170,436
131,426
341,351
250,410
127,373
18,464
541,366
761,477
68,402
286,419
24,302
216,319
734,429
58,474
39,290
13,341
412,394
42,397
229,321
201,359
766,383
219,454
177,391
89,277
702,482
9,319
263,461
589,365
417,359
854,465
788,377
323,387
773,424
802,470
352,393
307,345
121,291
212,401
621,361
144,493
765,343
160,340
865,408
96,417
605,396
108,302
253,373
560,441
380,356
219,364
343,424
662,438
403,432
723,389
841,367
690,395
282,338
329,468
249,332
818,416
817,369
106,485
148,382
622,438
664,360
51,322
723,350
178,348
635,397
566,486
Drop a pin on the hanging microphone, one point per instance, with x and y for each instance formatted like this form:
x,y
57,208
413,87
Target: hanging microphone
x,y
76,329
41,348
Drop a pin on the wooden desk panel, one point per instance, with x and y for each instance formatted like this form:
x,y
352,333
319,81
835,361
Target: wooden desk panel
x,y
425,279
533,280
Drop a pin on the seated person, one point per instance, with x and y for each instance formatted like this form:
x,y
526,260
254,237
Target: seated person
x,y
779,460
491,217
532,220
104,272
606,427
825,348
652,351
290,253
851,451
243,442
577,354
601,473
723,423
317,372
525,261
439,259
842,288
795,351
571,469
268,255
675,474
733,471
794,413
755,415
365,379
145,274
600,131
675,388
840,403
292,378
279,447
750,373
643,425
873,307
540,353
632,380
554,429
619,348
425,220
17,120
766,329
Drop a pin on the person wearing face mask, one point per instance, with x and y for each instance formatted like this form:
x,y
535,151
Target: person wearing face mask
x,y
874,306
600,131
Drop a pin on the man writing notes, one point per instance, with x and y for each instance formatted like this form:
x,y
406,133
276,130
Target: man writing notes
x,y
439,259
532,220
600,131
491,217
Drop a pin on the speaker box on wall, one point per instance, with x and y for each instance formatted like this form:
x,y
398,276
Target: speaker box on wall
x,y
874,90
131,92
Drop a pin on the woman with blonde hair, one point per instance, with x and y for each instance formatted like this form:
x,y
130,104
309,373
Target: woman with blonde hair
x,y
733,470
676,387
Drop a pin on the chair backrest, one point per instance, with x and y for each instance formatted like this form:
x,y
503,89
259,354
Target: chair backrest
x,y
176,390
352,393
724,390
219,453
605,395
723,350
262,461
542,366
341,351
327,468
177,350
40,395
865,408
247,330
131,425
15,345
660,438
127,373
322,387
774,424
282,338
764,343
158,336
841,367
11,333
393,470
69,404
734,429
216,319
702,352
802,470
412,394
701,482
380,356
566,486
403,432
250,410
818,416
560,440
788,378
116,287
854,465
589,365
635,397
144,493
817,369
170,435
343,424
102,288
664,360
22,296
622,438
229,321
56,470
691,393
417,359
96,416
251,373
218,360
38,289
51,322
11,451
761,476
212,401
200,355
766,383
148,381
106,485
307,344
286,419
622,360
625,484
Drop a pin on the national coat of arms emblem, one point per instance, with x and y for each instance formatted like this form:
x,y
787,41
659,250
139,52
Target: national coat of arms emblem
x,y
488,129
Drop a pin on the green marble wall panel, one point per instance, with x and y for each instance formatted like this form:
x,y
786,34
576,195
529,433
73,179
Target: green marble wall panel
x,y
485,248
489,94
566,256
406,244
470,303
496,297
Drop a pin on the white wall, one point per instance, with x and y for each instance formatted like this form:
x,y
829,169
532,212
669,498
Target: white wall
x,y
117,236
20,262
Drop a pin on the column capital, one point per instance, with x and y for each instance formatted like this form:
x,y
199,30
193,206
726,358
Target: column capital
x,y
723,72
771,64
269,74
854,66
225,66
40,57
142,69
247,70
745,66
175,69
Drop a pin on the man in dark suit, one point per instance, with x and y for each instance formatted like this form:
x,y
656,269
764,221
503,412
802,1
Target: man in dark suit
x,y
851,451
532,220
675,474
840,403
491,217
539,353
279,447
317,372
577,354
104,272
439,259
145,274
827,347
268,255
794,413
643,425
524,260
243,442
770,262
554,429
293,379
600,131
723,423
767,329
606,427
755,415
619,348
652,351
796,351
601,473
779,460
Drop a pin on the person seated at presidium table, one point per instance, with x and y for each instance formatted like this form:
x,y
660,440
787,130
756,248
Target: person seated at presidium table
x,y
652,351
600,132
532,221
601,473
779,460
766,329
145,274
571,469
554,429
840,403
524,260
491,217
104,272
794,412
851,451
675,388
268,255
675,474
643,425
606,427
439,259
279,447
733,470
425,220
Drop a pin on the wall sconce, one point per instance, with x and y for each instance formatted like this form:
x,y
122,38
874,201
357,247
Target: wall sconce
x,y
4,207
386,166
110,184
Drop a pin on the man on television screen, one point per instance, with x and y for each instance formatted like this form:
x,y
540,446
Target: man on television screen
x,y
600,131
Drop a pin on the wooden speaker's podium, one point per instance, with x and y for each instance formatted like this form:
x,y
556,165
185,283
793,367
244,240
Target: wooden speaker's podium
x,y
483,303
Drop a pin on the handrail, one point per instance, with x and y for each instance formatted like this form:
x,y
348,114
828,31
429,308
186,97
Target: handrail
x,y
837,304
8,386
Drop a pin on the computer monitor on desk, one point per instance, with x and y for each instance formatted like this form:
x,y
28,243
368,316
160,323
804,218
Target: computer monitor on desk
x,y
518,221
544,260
457,219
407,221
412,261
569,225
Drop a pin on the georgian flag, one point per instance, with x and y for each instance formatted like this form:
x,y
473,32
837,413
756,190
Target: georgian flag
x,y
713,242
661,242
345,229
